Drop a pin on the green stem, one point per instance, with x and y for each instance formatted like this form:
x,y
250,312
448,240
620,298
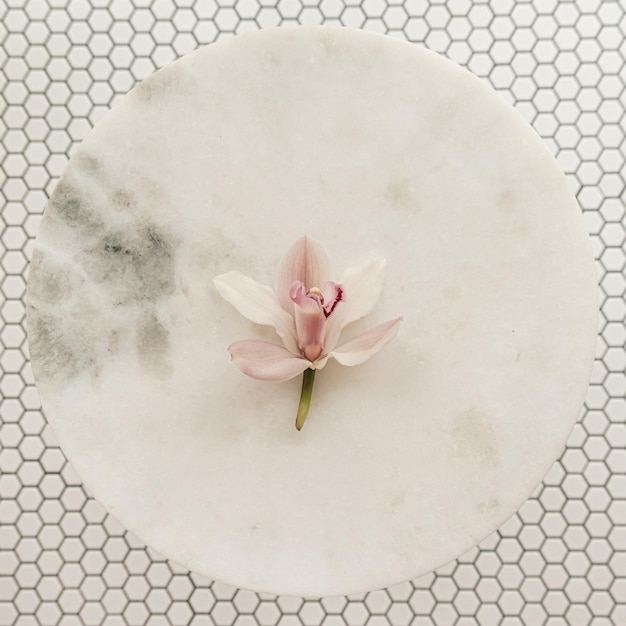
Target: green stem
x,y
305,397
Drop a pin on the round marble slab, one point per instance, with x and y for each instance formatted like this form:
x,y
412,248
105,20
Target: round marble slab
x,y
374,147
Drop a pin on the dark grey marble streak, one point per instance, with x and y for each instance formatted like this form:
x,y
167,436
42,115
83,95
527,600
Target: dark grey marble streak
x,y
110,263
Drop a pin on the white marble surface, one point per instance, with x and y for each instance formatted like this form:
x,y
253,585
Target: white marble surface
x,y
220,162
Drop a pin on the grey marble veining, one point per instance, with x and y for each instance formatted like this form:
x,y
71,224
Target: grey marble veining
x,y
373,147
98,289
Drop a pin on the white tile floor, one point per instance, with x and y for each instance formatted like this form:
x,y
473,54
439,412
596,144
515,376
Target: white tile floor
x,y
560,561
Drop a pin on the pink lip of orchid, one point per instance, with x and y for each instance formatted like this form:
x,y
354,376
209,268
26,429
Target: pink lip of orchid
x,y
308,310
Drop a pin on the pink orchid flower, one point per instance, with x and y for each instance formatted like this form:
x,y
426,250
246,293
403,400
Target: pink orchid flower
x,y
308,310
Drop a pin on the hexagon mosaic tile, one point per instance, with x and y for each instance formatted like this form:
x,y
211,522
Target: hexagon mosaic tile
x,y
560,561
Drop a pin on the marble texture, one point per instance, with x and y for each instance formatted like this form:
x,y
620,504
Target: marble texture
x,y
220,162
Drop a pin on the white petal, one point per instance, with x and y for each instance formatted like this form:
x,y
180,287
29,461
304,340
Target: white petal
x,y
266,361
367,344
259,304
362,286
320,363
306,261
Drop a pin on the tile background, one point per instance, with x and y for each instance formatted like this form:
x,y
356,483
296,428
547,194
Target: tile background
x,y
561,560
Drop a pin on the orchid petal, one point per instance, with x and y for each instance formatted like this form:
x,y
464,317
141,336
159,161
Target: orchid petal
x,y
266,361
367,344
320,363
333,296
310,321
257,303
307,262
362,286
